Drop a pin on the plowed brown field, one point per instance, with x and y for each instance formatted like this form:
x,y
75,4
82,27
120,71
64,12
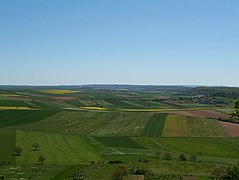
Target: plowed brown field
x,y
201,113
231,129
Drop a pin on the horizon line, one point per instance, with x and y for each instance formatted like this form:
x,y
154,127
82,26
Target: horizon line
x,y
119,84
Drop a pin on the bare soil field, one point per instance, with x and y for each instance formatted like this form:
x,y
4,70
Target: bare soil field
x,y
65,98
201,113
231,129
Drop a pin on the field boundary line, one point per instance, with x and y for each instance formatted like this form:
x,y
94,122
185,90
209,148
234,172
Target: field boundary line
x,y
156,142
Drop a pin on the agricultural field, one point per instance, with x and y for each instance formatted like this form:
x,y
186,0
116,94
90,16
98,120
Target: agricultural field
x,y
75,149
87,132
58,91
121,142
93,123
155,125
209,147
185,126
17,117
8,141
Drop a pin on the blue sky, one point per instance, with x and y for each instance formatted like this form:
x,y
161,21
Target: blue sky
x,y
55,42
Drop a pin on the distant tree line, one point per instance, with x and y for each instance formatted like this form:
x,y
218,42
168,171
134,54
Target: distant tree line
x,y
235,113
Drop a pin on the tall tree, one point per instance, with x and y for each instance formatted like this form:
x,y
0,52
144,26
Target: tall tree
x,y
18,151
237,104
237,107
41,159
35,146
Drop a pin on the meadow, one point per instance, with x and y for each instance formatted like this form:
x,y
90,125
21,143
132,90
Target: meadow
x,y
57,148
86,132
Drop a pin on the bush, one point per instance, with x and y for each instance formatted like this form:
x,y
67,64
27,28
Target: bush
x,y
199,153
143,160
35,146
141,170
193,157
18,151
167,156
41,159
182,157
218,171
231,173
157,154
120,172
115,162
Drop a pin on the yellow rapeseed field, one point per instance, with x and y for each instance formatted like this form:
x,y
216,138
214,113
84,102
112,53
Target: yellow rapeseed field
x,y
58,91
93,108
15,108
9,95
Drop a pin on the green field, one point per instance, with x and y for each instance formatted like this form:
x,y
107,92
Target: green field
x,y
13,103
155,126
211,147
121,142
7,141
175,125
57,148
15,117
183,126
94,123
204,127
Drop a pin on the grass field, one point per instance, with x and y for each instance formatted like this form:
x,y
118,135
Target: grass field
x,y
155,125
117,103
13,103
121,142
220,150
57,148
76,103
16,117
212,147
151,104
151,143
7,141
49,104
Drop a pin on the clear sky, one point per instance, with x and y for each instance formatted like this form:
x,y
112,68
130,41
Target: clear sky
x,y
55,42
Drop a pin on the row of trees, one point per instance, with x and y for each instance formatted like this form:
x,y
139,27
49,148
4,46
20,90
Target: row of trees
x,y
135,169
18,149
181,157
237,107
